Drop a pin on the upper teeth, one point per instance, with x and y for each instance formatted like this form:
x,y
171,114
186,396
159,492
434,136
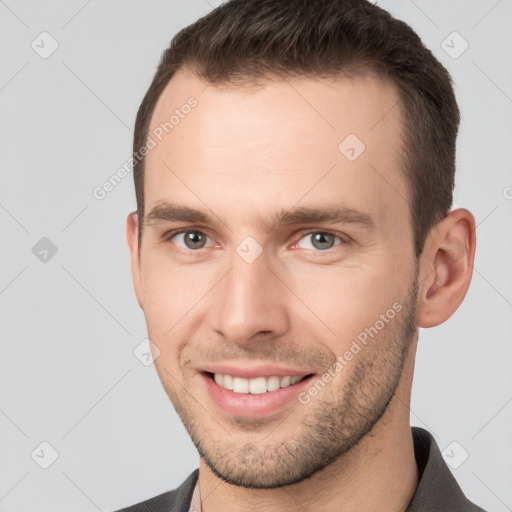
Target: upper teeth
x,y
254,386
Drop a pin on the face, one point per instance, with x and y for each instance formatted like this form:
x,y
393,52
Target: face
x,y
277,272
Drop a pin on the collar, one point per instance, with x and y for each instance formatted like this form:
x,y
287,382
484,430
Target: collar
x,y
437,488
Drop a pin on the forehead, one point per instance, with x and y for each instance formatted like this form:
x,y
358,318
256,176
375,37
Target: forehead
x,y
293,139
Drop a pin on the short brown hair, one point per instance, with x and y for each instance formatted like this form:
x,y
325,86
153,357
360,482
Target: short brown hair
x,y
244,40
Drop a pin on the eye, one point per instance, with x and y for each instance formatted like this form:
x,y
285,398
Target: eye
x,y
191,239
319,240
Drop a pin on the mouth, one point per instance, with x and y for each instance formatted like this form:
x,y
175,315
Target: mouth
x,y
256,385
253,396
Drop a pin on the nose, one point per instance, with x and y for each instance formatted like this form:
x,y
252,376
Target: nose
x,y
250,301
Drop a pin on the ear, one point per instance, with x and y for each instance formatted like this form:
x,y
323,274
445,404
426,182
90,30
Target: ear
x,y
132,235
446,267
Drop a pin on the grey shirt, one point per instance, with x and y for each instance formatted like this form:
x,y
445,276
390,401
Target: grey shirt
x,y
437,490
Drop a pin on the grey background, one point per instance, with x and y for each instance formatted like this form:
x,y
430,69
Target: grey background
x,y
70,323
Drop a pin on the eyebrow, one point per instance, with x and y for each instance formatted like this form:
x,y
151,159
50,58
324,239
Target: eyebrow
x,y
167,212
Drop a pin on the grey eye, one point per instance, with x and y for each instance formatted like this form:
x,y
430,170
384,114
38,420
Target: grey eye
x,y
190,239
318,240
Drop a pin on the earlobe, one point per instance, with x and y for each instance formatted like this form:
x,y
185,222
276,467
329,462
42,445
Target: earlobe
x,y
447,263
132,231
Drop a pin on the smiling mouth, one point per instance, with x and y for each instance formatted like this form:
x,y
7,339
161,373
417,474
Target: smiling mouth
x,y
257,385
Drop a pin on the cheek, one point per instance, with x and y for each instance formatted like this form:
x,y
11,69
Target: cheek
x,y
172,294
344,301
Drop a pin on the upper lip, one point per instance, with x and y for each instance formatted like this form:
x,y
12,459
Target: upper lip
x,y
253,371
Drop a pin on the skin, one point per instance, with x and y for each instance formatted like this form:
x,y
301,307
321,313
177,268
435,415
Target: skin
x,y
241,155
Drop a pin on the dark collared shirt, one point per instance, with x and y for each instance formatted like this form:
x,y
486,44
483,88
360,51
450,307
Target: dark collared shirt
x,y
437,491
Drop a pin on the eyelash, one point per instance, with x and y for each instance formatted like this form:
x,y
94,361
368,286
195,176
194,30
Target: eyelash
x,y
344,239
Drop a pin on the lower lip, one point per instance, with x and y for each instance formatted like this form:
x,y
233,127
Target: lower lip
x,y
255,406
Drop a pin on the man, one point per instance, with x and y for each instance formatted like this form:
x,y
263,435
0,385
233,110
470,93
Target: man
x,y
294,164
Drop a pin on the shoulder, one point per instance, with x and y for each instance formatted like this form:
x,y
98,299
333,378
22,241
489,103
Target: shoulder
x,y
177,500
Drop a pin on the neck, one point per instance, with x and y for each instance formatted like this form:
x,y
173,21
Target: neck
x,y
378,475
